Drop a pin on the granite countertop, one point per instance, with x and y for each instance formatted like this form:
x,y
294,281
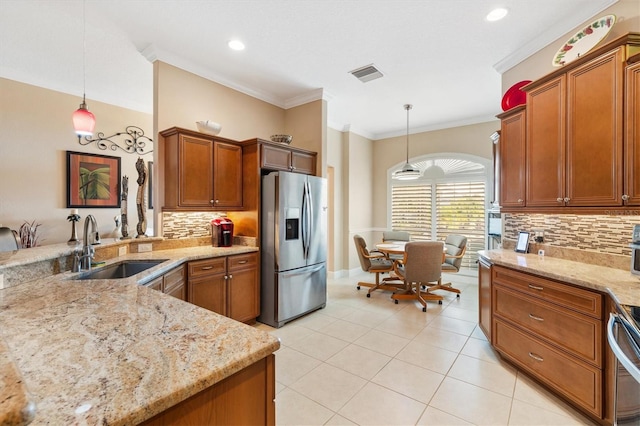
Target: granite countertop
x,y
112,351
623,285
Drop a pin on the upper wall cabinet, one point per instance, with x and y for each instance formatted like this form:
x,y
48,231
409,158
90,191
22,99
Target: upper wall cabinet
x,y
575,154
632,135
512,154
201,172
286,158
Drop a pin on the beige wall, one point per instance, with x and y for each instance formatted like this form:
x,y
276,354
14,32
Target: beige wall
x,y
36,133
307,124
337,217
628,20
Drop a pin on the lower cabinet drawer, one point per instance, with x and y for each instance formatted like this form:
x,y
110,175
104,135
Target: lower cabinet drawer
x,y
578,381
579,334
205,267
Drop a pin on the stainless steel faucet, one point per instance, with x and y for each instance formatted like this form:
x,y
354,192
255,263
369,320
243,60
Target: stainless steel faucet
x,y
82,262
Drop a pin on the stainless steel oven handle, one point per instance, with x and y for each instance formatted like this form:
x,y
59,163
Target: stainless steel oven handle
x,y
617,351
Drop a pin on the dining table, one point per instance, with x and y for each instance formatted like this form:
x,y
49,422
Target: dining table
x,y
397,248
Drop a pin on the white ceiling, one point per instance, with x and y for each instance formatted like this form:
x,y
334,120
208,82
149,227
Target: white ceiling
x,y
442,56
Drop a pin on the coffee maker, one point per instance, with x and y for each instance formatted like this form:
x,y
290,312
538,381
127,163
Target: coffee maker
x,y
222,232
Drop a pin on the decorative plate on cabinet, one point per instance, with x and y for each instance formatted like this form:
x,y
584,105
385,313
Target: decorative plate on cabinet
x,y
514,96
584,40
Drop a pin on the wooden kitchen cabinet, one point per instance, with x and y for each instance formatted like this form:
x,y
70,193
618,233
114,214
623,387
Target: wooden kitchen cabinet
x,y
631,194
245,398
484,296
172,283
226,285
288,159
574,136
512,157
201,172
553,331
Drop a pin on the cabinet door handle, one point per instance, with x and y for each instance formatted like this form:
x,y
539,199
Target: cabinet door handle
x,y
226,277
625,197
559,199
536,318
210,201
566,199
536,357
242,262
230,276
206,268
535,287
520,200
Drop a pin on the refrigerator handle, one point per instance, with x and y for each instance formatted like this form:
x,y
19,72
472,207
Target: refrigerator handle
x,y
305,208
310,211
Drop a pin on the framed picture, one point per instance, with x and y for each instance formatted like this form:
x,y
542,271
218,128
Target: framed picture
x,y
93,180
150,180
522,245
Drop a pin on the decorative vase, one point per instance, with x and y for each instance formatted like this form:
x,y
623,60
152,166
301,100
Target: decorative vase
x,y
74,236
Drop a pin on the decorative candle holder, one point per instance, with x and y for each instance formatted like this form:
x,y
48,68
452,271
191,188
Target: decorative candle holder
x,y
74,217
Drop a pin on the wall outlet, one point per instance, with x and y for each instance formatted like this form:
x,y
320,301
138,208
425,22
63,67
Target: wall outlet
x,y
145,248
122,250
1,281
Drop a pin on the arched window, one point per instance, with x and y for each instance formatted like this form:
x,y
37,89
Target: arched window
x,y
448,198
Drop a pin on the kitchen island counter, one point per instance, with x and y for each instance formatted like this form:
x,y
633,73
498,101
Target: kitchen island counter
x,y
112,351
623,285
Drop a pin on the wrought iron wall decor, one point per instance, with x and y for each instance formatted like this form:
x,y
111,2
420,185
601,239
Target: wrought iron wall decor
x,y
133,141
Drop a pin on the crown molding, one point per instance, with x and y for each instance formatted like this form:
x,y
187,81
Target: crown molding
x,y
549,35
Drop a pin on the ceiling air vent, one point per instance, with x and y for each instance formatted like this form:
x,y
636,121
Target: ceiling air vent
x,y
366,73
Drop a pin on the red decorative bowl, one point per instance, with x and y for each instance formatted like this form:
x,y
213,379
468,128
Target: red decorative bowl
x,y
514,96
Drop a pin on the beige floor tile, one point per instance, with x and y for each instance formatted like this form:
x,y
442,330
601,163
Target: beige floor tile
x,y
338,420
452,324
456,312
523,414
376,405
471,403
382,342
329,386
290,333
294,409
480,349
291,365
314,320
442,339
435,417
337,310
365,317
400,327
478,334
344,330
496,377
319,346
360,361
427,356
409,380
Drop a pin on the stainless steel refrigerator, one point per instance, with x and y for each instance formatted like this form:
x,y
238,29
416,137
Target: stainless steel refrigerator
x,y
293,246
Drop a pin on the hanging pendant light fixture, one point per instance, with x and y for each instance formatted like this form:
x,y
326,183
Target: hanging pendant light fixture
x,y
83,120
408,172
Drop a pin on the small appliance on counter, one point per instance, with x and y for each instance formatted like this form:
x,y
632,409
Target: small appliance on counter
x,y
222,232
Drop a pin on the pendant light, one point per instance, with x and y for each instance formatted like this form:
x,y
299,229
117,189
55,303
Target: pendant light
x,y
407,172
83,120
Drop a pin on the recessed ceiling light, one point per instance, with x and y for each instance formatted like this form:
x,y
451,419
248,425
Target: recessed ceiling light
x,y
236,45
497,14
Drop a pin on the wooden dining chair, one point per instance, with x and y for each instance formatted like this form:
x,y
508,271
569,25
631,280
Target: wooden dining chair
x,y
375,263
421,265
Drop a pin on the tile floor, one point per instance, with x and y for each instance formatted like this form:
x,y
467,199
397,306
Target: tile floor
x,y
368,361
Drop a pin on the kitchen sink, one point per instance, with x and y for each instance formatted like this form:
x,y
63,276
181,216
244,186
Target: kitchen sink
x,y
123,269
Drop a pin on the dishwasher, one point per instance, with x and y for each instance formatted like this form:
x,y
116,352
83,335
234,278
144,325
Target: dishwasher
x,y
623,334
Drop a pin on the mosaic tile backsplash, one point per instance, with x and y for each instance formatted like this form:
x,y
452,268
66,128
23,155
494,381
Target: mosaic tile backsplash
x,y
600,234
186,225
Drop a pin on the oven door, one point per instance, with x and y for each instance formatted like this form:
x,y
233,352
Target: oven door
x,y
624,340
